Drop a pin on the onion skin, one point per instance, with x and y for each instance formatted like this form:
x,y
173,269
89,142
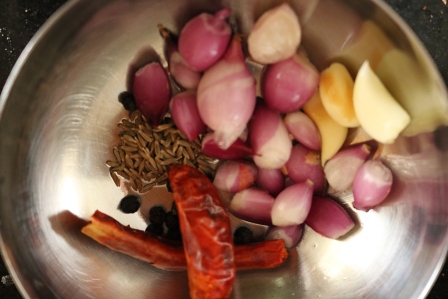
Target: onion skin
x,y
182,74
204,39
271,180
303,129
252,205
289,84
291,235
237,150
152,92
275,36
292,205
328,218
226,96
305,164
185,114
341,169
371,185
235,176
269,138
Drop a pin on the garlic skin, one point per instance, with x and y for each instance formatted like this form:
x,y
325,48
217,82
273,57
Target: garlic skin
x,y
275,36
379,114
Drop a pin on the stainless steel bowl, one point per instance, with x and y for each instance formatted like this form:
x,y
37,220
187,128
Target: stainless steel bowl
x,y
58,124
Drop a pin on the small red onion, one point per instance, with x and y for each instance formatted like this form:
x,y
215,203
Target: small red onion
x,y
292,205
271,180
237,150
328,218
291,235
275,36
287,85
179,69
185,114
303,129
226,96
305,164
152,92
252,205
371,185
269,138
204,39
235,176
341,169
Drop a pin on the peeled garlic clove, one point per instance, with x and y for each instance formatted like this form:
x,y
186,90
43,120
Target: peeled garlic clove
x,y
332,134
341,169
378,112
303,129
336,92
328,218
292,205
275,36
235,176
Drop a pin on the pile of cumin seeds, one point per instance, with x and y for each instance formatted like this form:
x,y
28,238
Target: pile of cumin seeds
x,y
144,153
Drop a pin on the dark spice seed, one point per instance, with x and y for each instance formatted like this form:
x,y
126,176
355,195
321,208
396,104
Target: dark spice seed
x,y
174,235
243,235
129,204
126,98
157,215
168,186
155,228
172,220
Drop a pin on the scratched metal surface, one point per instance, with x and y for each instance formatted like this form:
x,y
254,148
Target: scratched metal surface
x,y
57,127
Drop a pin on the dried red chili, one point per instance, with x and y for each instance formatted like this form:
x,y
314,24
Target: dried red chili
x,y
206,233
151,249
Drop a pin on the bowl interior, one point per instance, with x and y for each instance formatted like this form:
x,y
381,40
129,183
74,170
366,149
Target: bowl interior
x,y
59,124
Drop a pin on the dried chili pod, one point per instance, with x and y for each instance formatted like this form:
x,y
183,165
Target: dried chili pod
x,y
205,227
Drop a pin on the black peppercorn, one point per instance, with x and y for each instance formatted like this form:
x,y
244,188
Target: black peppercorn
x,y
129,204
126,98
155,228
172,220
243,235
157,215
174,235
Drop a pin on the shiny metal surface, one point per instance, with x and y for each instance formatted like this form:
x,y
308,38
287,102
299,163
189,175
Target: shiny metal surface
x,y
58,125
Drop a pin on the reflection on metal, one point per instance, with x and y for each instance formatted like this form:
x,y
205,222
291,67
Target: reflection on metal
x,y
58,125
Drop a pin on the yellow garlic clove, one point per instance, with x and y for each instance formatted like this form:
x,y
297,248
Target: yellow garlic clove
x,y
332,134
378,112
336,92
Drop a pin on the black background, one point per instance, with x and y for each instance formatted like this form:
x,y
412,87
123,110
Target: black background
x,y
20,19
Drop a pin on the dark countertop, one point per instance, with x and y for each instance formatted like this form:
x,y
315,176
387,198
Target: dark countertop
x,y
19,21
